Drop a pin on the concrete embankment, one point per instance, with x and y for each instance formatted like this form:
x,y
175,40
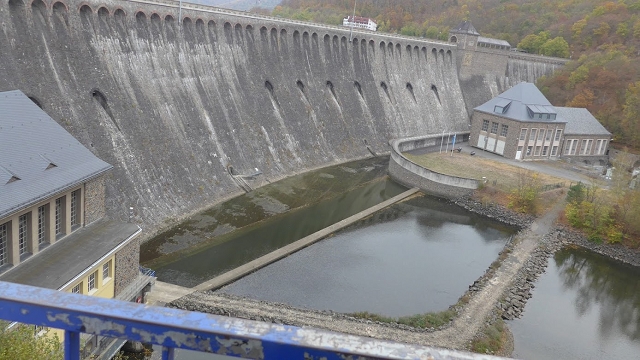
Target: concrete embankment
x,y
408,173
165,293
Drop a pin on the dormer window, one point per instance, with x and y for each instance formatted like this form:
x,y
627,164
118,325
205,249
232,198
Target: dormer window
x,y
501,106
542,112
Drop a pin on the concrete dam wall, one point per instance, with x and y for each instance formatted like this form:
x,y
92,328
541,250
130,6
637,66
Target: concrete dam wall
x,y
176,108
486,73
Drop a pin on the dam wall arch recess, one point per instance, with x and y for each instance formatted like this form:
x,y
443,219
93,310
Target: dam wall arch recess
x,y
173,102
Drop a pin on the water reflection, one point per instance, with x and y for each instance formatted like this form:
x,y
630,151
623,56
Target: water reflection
x,y
229,251
612,287
585,306
414,257
262,203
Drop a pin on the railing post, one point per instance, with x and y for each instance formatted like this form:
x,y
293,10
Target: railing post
x,y
71,345
167,353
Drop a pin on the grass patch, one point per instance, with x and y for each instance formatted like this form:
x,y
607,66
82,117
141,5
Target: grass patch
x,y
501,176
491,340
422,321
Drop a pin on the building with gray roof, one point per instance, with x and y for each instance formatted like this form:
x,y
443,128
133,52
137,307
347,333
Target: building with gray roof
x,y
53,229
522,124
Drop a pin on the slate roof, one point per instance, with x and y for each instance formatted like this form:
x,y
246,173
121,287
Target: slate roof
x,y
76,252
38,158
519,98
493,41
581,122
465,27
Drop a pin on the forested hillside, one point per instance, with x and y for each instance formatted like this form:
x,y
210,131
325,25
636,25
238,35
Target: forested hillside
x,y
603,39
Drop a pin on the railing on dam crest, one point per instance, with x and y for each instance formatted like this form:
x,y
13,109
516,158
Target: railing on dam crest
x,y
179,329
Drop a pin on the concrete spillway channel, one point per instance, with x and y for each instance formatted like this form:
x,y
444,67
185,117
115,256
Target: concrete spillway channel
x,y
164,293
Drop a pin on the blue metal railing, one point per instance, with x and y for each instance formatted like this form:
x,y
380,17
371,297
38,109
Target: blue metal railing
x,y
173,328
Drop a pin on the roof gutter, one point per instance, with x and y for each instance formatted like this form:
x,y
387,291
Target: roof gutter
x,y
103,258
29,203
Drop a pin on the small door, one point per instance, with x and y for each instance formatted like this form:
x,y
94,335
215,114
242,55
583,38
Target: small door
x,y
500,147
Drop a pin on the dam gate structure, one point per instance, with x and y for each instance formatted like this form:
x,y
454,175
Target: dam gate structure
x,y
174,103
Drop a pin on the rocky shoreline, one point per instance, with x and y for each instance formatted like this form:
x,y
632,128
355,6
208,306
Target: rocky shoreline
x,y
509,305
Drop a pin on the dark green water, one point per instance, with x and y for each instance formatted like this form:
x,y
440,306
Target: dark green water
x,y
413,257
266,220
585,306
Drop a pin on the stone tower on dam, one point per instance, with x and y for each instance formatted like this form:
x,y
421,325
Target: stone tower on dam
x,y
488,67
181,105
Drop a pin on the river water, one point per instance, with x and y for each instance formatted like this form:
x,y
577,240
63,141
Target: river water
x,y
414,257
585,306
245,228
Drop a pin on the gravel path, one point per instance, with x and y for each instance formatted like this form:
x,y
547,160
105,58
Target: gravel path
x,y
458,335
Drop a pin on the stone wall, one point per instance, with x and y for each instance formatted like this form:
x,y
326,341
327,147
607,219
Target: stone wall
x,y
411,174
94,200
171,103
127,266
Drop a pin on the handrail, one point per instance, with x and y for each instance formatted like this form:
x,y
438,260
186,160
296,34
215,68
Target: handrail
x,y
212,9
174,328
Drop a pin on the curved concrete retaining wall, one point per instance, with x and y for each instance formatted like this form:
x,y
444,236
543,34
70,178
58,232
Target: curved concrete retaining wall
x,y
411,174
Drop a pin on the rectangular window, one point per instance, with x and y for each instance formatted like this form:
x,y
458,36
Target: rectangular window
x,y
529,148
604,147
570,146
4,239
558,135
598,148
494,128
503,130
583,148
92,280
534,133
106,270
537,150
42,223
60,222
589,142
544,150
75,208
554,150
485,125
77,289
548,137
523,134
23,233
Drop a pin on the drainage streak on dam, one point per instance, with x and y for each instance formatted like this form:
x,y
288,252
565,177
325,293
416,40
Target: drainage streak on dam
x,y
174,103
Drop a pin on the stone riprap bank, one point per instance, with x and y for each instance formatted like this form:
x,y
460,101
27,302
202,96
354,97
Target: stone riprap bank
x,y
172,107
177,104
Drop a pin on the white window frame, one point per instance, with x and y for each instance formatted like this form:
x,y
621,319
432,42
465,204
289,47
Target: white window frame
x,y
494,127
23,233
42,224
554,150
485,125
92,283
523,133
59,209
504,129
106,271
77,289
558,135
533,134
4,240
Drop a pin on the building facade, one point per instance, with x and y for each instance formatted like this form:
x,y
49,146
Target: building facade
x,y
53,229
522,124
360,22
